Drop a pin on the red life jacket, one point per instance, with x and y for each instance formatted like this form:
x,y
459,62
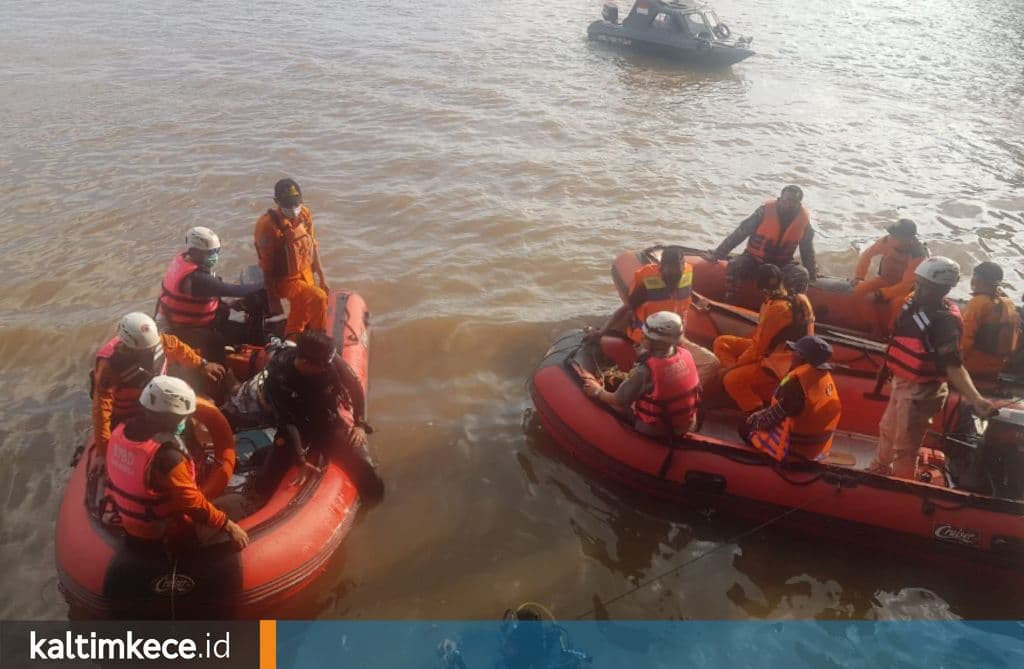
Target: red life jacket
x,y
770,243
911,354
142,510
178,307
131,377
675,391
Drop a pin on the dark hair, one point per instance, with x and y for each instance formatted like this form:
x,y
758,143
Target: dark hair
x,y
673,255
315,346
796,278
769,277
989,272
795,190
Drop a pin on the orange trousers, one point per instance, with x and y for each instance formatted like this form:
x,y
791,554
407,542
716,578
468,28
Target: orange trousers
x,y
307,305
881,314
729,348
750,386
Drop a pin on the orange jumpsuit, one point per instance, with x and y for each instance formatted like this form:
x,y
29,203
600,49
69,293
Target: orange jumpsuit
x,y
990,333
106,383
894,282
287,252
182,495
756,364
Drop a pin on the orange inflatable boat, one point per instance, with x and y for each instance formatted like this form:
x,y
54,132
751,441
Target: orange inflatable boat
x,y
105,573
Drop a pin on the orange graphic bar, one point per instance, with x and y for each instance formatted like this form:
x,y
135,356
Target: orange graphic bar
x,y
268,644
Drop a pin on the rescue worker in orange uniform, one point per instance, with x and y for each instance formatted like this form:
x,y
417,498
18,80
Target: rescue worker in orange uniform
x,y
805,407
125,364
773,233
151,475
883,295
190,295
755,364
289,256
924,352
662,286
662,390
991,323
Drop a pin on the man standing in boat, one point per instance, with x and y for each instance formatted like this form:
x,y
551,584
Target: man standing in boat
x,y
773,233
924,353
662,286
289,256
662,389
805,407
991,323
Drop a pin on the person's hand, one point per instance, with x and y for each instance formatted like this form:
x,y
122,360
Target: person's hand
x,y
591,387
854,281
306,470
984,409
356,436
323,283
213,371
590,333
239,537
710,256
98,466
700,303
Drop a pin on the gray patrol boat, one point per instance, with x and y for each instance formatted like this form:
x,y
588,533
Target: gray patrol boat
x,y
683,30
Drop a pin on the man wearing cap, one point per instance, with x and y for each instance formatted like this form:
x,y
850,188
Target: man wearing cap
x,y
923,353
990,323
289,255
773,233
805,407
883,295
662,389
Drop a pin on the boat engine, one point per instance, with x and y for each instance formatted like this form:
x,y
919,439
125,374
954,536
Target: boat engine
x,y
987,456
610,13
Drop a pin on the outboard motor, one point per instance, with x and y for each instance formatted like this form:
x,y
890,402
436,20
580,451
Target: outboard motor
x,y
988,456
610,13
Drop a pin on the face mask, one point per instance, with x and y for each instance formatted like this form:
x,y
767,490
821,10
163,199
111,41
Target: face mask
x,y
211,260
293,212
180,430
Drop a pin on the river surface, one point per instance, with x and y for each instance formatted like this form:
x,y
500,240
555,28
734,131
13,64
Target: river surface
x,y
474,167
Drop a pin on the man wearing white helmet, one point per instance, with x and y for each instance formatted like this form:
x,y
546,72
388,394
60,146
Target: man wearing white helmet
x,y
151,476
924,352
190,294
126,363
662,390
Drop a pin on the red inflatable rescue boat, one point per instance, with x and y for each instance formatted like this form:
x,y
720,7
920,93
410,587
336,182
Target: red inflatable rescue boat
x,y
937,519
105,573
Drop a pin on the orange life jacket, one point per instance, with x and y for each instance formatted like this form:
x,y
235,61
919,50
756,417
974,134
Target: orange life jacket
x,y
178,307
997,332
142,510
131,377
658,296
808,434
770,243
910,354
894,262
295,254
675,391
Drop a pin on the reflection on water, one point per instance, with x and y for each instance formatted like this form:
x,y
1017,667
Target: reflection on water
x,y
473,170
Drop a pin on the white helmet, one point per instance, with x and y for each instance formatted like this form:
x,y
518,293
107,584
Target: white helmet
x,y
201,239
939,270
168,394
138,331
663,326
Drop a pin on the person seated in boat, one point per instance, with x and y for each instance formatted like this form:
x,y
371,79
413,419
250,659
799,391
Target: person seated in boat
x,y
901,252
190,295
303,388
923,354
755,364
289,256
663,388
805,407
773,233
796,280
151,475
125,364
991,323
662,286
